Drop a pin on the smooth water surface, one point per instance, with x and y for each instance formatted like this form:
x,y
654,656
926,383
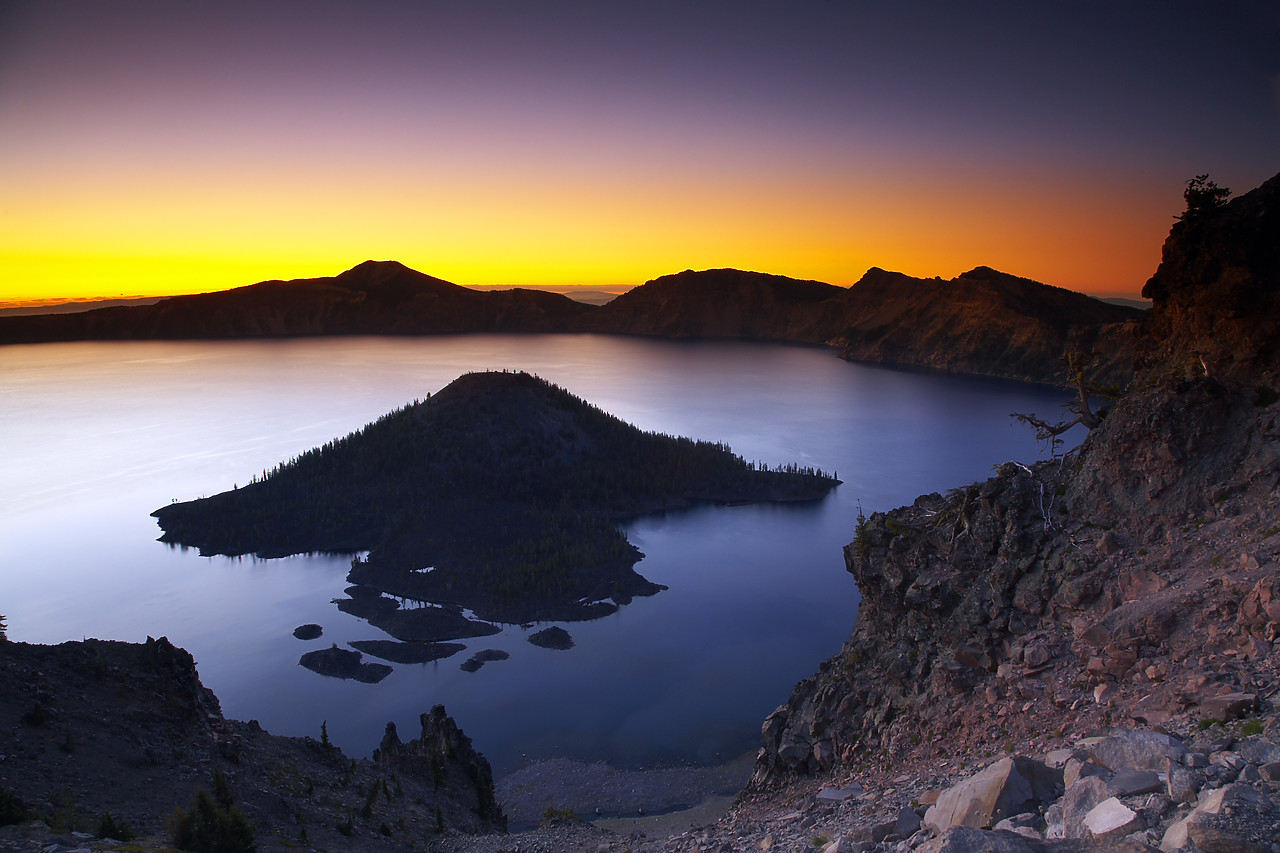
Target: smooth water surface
x,y
94,436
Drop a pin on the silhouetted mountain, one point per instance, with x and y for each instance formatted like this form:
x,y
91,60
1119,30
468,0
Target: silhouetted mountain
x,y
720,304
499,494
982,322
373,298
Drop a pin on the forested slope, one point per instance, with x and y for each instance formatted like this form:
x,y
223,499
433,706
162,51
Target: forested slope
x,y
498,494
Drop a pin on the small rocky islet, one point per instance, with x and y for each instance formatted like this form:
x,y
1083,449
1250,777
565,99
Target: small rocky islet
x,y
554,637
310,631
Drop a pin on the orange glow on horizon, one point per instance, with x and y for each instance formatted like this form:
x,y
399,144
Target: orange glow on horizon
x,y
555,230
158,149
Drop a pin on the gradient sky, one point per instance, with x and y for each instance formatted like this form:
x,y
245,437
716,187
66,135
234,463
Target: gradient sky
x,y
164,147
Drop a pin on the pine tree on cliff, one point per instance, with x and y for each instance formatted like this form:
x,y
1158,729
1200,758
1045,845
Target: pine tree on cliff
x,y
1203,195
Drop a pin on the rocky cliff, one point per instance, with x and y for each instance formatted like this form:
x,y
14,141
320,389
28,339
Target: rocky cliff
x,y
127,730
1216,303
982,322
1132,582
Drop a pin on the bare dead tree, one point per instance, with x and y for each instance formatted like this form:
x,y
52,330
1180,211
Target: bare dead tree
x,y
1078,362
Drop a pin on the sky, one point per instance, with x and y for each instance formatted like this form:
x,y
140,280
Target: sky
x,y
151,148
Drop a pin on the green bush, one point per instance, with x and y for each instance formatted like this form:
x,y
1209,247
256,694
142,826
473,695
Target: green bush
x,y
211,827
554,815
109,827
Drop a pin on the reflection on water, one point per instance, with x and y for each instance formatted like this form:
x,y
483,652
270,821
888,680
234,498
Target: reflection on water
x,y
95,436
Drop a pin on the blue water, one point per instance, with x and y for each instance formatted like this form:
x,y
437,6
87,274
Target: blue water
x,y
95,436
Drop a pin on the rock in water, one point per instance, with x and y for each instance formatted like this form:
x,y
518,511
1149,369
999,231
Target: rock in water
x,y
552,638
308,632
344,663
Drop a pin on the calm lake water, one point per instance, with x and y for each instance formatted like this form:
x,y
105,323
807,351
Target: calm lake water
x,y
95,436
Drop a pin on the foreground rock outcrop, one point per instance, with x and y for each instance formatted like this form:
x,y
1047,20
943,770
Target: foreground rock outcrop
x,y
98,728
1132,583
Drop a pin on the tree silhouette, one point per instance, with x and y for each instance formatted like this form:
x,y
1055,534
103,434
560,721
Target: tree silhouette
x,y
1203,196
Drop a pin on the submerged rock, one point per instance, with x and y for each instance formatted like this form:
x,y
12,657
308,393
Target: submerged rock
x,y
397,652
418,625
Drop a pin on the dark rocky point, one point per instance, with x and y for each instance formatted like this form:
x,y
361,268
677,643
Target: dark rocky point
x,y
552,638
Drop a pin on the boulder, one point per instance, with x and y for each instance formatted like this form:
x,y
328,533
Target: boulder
x,y
1060,757
1077,769
908,822
1182,784
1228,707
1025,824
1111,819
1081,799
1008,787
1138,750
873,834
1128,782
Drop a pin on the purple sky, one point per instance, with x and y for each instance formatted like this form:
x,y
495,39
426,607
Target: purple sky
x,y
154,145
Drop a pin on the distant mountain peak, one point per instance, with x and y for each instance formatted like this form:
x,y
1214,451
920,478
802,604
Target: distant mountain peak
x,y
368,266
375,273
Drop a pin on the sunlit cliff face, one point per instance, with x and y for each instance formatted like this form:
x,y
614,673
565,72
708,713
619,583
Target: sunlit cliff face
x,y
165,149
